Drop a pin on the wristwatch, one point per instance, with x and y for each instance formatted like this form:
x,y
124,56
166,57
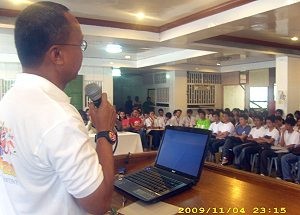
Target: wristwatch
x,y
110,136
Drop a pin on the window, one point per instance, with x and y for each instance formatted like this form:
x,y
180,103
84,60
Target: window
x,y
258,97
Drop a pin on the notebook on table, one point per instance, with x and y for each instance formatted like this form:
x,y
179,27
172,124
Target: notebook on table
x,y
177,167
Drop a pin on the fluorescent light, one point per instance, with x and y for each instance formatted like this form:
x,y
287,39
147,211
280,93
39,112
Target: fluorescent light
x,y
294,38
140,15
218,64
113,48
127,57
116,72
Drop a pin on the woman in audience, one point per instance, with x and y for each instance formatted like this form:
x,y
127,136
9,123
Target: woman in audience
x,y
201,120
289,138
124,121
188,120
239,137
256,133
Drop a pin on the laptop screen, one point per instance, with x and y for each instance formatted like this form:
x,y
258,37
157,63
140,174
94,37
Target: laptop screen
x,y
182,149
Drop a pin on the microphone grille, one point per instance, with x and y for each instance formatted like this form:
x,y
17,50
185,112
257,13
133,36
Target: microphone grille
x,y
93,91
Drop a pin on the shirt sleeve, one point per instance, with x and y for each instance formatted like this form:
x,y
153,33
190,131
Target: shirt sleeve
x,y
69,151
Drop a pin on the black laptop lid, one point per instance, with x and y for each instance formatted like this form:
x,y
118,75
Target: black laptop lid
x,y
182,151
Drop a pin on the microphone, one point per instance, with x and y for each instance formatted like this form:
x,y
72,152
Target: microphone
x,y
94,91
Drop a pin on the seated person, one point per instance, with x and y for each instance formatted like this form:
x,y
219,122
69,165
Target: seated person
x,y
289,139
153,129
256,132
175,120
240,135
216,125
124,121
286,164
226,129
202,121
161,118
188,120
137,126
168,118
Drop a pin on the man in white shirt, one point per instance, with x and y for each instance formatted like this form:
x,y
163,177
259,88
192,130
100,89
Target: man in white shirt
x,y
215,127
152,128
189,119
161,118
175,120
48,165
256,132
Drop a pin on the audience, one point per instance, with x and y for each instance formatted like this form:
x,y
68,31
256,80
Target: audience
x,y
271,136
240,135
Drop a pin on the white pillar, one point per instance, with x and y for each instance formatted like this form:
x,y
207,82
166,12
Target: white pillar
x,y
288,82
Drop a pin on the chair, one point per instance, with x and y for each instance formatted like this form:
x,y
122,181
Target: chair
x,y
150,138
253,161
274,160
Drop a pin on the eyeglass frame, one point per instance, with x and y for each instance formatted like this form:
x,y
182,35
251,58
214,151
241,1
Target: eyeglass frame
x,y
83,45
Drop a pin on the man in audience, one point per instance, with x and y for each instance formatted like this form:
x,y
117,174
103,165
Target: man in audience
x,y
201,120
175,120
54,168
239,137
137,126
189,119
226,129
287,161
152,126
257,132
148,105
288,140
161,118
128,105
216,125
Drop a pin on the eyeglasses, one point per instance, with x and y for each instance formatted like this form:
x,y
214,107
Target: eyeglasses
x,y
83,45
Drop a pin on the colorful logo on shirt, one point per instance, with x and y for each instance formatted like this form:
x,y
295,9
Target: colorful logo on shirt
x,y
7,148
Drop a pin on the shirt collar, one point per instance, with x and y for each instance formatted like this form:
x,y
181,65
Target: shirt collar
x,y
31,80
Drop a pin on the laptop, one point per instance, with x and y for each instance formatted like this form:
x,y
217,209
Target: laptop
x,y
177,167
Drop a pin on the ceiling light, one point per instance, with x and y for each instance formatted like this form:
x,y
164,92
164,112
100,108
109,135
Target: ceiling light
x,y
127,57
116,71
167,76
113,48
140,15
218,64
294,38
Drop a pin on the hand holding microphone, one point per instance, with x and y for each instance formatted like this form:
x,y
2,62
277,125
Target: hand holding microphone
x,y
102,112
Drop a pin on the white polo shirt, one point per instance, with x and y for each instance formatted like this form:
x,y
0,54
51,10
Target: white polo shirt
x,y
215,127
46,155
257,132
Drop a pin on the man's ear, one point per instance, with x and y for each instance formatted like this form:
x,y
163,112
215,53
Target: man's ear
x,y
56,55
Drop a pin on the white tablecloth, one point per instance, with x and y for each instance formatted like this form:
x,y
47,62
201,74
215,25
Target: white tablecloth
x,y
128,142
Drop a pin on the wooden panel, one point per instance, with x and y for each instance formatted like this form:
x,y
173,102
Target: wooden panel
x,y
223,188
230,78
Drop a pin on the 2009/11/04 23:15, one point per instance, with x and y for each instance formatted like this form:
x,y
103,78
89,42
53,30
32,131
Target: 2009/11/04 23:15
x,y
234,210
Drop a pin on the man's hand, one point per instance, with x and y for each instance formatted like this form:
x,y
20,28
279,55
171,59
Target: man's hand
x,y
104,117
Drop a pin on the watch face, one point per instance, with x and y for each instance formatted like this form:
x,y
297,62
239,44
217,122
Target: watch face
x,y
112,136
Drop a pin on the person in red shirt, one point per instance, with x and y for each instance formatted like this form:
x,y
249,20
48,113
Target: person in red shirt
x,y
137,126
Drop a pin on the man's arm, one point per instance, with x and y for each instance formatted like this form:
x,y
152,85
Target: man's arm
x,y
103,118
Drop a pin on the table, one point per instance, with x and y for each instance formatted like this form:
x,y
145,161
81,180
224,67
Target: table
x,y
127,142
223,189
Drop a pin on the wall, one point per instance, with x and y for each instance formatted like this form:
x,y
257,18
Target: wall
x,y
8,71
130,85
234,97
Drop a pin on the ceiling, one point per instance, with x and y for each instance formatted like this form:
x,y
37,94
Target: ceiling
x,y
209,36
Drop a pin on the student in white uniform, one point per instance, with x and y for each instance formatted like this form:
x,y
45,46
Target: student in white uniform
x,y
189,119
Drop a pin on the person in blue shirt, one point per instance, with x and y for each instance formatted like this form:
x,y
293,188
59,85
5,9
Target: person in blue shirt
x,y
240,135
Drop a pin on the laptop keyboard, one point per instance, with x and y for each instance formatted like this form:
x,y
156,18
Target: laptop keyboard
x,y
153,180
